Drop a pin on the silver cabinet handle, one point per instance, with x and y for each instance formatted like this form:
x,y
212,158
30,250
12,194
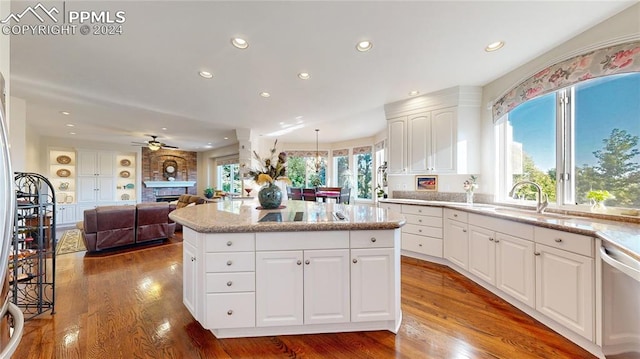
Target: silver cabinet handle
x,y
497,241
419,230
491,239
455,215
373,239
229,263
299,262
355,260
420,220
193,259
419,211
229,312
307,262
536,253
464,231
229,283
229,244
558,240
419,244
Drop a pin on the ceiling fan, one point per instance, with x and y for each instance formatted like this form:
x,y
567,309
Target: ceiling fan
x,y
154,144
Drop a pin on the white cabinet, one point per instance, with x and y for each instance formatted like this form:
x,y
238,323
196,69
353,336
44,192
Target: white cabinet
x,y
432,141
422,235
565,278
189,271
436,133
65,214
373,296
482,254
456,243
397,145
95,163
95,189
302,287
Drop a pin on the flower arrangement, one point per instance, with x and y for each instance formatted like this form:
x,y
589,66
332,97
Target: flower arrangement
x,y
272,168
599,196
470,184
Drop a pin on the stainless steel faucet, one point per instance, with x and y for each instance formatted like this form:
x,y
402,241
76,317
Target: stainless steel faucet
x,y
541,205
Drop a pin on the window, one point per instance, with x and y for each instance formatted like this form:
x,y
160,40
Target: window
x,y
364,164
301,170
229,178
590,132
342,175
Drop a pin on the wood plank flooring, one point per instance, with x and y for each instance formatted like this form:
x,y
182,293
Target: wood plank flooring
x,y
129,305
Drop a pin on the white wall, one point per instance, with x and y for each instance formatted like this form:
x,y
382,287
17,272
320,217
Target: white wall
x,y
619,28
17,136
207,168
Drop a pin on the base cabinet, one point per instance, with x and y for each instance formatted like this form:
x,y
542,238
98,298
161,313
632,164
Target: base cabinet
x,y
456,245
270,283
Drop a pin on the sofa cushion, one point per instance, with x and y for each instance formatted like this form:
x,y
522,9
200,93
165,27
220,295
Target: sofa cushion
x,y
152,221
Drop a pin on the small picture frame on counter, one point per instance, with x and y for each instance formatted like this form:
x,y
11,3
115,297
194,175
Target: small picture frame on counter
x,y
427,183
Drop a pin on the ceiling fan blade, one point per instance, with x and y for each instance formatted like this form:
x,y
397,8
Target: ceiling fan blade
x,y
167,146
140,143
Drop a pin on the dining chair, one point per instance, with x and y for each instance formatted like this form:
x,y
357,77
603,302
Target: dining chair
x,y
309,194
345,195
296,193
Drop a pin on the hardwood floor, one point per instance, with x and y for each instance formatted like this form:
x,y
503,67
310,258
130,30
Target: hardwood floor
x,y
129,305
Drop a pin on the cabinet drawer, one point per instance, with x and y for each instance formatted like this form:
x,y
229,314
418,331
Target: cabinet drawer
x,y
284,241
229,242
457,215
230,310
571,242
422,210
392,207
424,245
516,229
230,282
424,220
422,230
371,239
229,262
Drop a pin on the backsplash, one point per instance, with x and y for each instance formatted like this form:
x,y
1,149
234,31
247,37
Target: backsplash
x,y
441,196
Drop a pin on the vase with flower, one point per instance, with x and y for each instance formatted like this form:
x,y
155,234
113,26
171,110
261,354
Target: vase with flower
x,y
470,185
273,169
597,198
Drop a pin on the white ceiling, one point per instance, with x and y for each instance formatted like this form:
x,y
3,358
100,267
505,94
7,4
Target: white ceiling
x,y
119,88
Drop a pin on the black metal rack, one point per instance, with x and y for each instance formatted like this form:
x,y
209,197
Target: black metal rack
x,y
32,262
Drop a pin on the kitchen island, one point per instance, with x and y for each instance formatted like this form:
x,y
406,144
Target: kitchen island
x,y
309,267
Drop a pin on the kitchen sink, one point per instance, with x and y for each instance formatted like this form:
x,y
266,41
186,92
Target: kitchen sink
x,y
517,212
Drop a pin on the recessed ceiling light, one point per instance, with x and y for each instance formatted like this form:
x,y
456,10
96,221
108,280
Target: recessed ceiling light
x,y
70,125
364,46
66,113
209,143
414,93
239,43
164,129
265,94
304,76
72,133
226,138
205,74
494,46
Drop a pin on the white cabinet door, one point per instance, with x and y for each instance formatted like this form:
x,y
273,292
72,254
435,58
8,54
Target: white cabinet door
x,y
482,254
515,268
87,189
372,284
106,189
95,163
397,145
443,140
419,138
65,213
189,296
326,286
456,243
279,288
565,288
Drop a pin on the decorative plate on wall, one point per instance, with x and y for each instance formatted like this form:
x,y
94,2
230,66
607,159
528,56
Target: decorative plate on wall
x,y
63,172
69,198
125,163
125,174
124,197
63,159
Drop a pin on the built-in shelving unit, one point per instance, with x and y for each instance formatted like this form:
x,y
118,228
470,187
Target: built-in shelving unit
x,y
32,260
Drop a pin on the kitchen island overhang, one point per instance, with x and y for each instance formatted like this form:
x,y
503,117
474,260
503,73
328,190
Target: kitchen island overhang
x,y
316,274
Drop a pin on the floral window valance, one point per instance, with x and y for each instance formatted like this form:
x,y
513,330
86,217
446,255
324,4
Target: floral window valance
x,y
309,153
361,150
344,152
227,160
611,60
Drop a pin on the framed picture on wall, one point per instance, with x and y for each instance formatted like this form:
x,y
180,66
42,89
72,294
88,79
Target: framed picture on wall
x,y
427,183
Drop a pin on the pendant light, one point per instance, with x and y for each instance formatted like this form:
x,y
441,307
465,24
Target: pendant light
x,y
317,152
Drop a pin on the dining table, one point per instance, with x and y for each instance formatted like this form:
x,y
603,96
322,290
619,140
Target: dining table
x,y
324,195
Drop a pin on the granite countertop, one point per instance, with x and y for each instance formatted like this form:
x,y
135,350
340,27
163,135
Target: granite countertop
x,y
623,235
242,215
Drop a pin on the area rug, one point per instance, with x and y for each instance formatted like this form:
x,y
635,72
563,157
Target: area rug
x,y
70,242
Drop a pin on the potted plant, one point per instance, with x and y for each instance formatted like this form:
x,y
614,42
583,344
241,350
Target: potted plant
x,y
597,198
208,192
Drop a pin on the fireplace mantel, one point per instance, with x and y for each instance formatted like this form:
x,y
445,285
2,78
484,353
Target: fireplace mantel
x,y
169,184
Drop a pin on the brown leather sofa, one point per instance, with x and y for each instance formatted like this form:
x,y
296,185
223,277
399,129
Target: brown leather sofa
x,y
183,201
109,227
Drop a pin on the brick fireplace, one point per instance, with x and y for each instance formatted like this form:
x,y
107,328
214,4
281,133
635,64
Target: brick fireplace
x,y
154,168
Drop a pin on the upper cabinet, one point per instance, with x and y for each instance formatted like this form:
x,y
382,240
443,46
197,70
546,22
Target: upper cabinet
x,y
95,163
435,133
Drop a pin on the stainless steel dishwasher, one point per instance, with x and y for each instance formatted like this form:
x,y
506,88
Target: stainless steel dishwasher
x,y
620,304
